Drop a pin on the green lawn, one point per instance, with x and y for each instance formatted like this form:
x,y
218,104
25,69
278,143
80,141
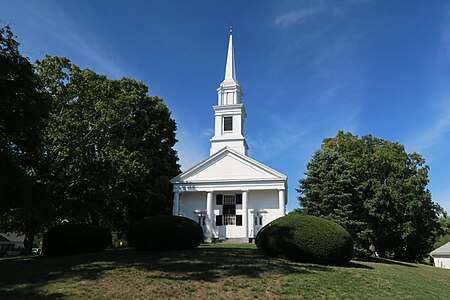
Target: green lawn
x,y
213,272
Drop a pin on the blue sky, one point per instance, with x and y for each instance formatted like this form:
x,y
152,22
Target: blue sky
x,y
307,68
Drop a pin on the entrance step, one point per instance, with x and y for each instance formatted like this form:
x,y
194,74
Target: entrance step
x,y
232,241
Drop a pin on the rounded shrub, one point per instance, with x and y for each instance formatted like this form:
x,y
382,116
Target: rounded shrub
x,y
164,233
75,238
306,238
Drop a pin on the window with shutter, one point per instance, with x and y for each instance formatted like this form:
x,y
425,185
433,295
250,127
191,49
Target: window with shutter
x,y
229,209
238,198
219,220
238,220
219,199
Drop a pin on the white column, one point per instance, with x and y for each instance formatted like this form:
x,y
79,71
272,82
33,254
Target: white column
x,y
245,212
281,202
176,203
209,215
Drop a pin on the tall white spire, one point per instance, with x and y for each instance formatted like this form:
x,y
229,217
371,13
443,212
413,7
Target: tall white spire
x,y
229,113
230,69
230,91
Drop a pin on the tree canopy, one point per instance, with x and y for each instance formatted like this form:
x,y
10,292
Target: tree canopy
x,y
109,144
374,189
443,234
23,109
76,146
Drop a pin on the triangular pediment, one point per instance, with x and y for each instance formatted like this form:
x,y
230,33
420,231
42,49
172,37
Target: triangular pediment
x,y
227,165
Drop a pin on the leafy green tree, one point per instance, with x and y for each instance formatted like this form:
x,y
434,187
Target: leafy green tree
x,y
444,231
329,191
376,191
109,145
23,205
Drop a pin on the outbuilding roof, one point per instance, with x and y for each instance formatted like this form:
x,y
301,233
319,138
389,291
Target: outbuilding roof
x,y
3,239
443,250
13,237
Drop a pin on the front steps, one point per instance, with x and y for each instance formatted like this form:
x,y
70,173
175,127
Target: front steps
x,y
231,241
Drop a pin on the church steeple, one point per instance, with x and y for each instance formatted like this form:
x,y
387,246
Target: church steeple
x,y
230,112
230,69
230,91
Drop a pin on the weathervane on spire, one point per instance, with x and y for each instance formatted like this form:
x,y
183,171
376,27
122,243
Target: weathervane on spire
x,y
231,28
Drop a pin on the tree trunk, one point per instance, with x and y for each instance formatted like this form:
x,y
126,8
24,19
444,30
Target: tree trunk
x,y
29,240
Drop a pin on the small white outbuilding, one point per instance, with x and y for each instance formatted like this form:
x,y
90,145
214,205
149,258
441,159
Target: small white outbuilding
x,y
441,256
230,194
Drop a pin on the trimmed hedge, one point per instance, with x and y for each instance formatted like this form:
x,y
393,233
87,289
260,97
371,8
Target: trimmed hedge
x,y
165,233
75,238
306,238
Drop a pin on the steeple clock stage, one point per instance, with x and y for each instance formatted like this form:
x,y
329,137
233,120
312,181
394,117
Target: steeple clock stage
x,y
230,194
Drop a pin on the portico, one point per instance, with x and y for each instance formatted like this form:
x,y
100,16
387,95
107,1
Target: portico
x,y
217,222
230,202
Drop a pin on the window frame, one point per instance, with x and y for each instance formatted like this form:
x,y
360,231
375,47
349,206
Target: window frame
x,y
238,220
228,124
238,199
219,220
219,199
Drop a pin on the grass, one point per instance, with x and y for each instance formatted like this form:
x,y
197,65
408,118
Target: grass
x,y
213,272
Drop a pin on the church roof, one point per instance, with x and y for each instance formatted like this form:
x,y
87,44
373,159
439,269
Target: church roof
x,y
228,165
443,250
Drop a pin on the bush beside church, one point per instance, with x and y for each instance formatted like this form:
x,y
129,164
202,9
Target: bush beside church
x,y
165,232
306,238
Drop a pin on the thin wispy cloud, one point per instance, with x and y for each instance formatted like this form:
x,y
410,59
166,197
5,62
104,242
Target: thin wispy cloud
x,y
336,81
299,12
190,148
329,99
208,133
299,15
56,22
432,135
284,140
430,138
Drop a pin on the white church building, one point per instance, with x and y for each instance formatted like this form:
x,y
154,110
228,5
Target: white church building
x,y
229,194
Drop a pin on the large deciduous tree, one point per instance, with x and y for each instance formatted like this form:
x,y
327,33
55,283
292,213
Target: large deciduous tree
x,y
23,205
376,191
443,234
109,145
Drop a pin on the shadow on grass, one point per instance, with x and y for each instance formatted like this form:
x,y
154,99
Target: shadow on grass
x,y
354,264
28,292
386,261
212,264
25,277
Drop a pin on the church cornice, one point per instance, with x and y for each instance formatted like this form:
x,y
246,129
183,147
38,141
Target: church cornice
x,y
231,107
